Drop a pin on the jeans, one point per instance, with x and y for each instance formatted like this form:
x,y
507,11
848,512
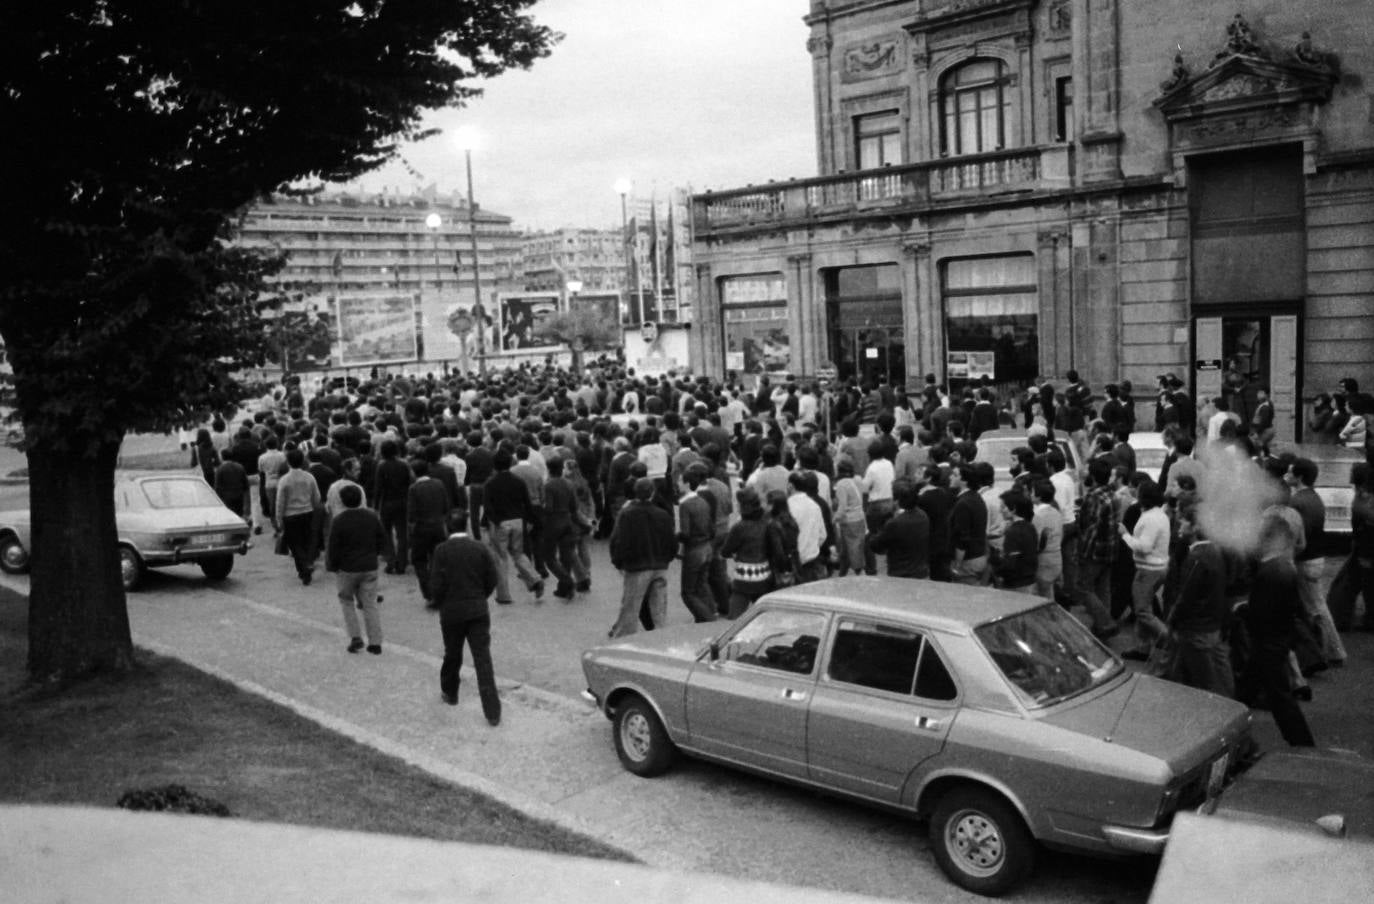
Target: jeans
x,y
718,576
1144,586
394,527
696,582
852,546
650,585
358,590
1314,604
558,541
876,515
1048,571
1094,582
299,541
582,557
1355,579
508,542
970,571
1202,659
1267,673
476,633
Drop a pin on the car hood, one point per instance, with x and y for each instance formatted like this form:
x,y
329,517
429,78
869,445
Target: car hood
x,y
1302,786
1179,725
684,642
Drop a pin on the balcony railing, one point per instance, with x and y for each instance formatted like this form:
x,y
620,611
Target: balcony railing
x,y
915,185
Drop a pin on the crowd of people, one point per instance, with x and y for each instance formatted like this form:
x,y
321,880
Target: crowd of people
x,y
467,480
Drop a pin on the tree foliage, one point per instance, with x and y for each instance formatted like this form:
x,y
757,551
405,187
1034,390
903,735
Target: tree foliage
x,y
582,329
136,131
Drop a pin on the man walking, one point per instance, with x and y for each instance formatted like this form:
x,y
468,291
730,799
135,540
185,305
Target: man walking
x,y
1097,543
506,511
905,537
394,478
463,574
355,542
968,528
642,546
1311,561
427,515
298,495
695,531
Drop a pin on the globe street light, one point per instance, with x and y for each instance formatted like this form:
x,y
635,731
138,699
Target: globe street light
x,y
466,140
622,188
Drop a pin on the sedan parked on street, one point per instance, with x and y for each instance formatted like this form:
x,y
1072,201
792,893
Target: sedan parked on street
x,y
994,715
163,518
1334,464
996,447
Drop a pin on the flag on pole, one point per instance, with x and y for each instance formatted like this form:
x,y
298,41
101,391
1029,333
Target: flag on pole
x,y
670,256
655,277
457,262
337,265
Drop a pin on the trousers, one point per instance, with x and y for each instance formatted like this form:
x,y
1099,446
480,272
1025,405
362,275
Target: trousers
x,y
650,587
358,590
476,633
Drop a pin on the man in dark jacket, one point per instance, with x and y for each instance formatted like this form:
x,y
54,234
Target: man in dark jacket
x,y
696,529
507,512
393,481
462,575
642,546
968,528
905,537
1197,621
936,501
562,524
231,485
355,542
480,468
427,512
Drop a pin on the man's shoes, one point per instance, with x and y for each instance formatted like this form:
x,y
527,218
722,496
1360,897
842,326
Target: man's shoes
x,y
1136,655
505,602
450,699
494,721
375,649
258,529
355,645
538,590
1303,693
584,586
563,593
305,579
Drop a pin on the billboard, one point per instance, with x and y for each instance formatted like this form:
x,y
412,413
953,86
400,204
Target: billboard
x,y
522,317
377,329
605,304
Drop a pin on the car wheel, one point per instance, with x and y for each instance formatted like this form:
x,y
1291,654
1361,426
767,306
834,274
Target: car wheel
x,y
217,568
14,558
980,841
131,569
641,741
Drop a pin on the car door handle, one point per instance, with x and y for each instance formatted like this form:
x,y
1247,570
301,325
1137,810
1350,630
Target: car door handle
x,y
788,693
928,724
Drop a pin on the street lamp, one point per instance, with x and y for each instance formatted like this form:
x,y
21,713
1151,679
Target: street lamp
x,y
622,188
466,140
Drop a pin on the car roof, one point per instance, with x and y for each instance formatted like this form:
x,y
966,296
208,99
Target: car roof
x,y
950,607
1146,439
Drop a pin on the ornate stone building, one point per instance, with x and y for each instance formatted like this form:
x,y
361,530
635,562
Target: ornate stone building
x,y
1021,187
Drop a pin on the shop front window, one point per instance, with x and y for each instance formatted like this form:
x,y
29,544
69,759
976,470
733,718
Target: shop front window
x,y
754,323
991,320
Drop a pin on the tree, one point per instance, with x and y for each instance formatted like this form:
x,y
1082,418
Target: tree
x,y
139,130
582,329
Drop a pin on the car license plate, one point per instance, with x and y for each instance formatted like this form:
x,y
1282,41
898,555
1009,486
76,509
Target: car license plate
x,y
212,540
1217,776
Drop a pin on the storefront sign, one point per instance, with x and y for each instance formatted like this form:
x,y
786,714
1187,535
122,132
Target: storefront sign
x,y
970,365
738,290
1208,364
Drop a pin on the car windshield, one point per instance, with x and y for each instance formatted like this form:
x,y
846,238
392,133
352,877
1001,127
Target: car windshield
x,y
998,452
178,493
1150,458
1047,654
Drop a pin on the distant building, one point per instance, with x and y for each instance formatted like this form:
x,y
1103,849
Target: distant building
x,y
366,263
1020,187
595,257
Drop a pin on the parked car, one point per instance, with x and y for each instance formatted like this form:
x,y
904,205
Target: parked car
x,y
995,447
1330,792
162,519
994,715
1333,480
1150,453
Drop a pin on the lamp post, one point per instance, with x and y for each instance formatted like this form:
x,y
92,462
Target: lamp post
x,y
466,139
622,188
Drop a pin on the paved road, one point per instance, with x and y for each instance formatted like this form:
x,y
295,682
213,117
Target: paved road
x,y
553,756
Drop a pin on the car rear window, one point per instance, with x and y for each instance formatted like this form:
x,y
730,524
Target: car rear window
x,y
889,658
1047,654
178,493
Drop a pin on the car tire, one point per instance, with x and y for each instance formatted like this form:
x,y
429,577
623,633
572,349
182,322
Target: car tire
x,y
980,841
131,569
217,568
14,558
641,741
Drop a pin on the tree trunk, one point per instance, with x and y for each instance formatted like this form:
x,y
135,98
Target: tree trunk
x,y
78,617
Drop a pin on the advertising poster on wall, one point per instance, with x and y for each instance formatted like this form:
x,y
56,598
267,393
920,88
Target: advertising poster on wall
x,y
377,329
522,318
970,365
606,305
756,340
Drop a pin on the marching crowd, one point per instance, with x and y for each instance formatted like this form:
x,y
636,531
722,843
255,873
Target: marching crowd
x,y
467,480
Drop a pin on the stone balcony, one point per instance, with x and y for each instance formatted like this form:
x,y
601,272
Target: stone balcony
x,y
911,188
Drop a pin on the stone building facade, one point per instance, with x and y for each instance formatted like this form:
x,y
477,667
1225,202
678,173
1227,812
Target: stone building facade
x,y
1021,187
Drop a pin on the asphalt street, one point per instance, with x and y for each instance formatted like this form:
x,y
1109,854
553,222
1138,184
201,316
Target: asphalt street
x,y
552,754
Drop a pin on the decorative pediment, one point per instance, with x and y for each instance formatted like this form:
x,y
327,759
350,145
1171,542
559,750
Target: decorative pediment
x,y
1245,75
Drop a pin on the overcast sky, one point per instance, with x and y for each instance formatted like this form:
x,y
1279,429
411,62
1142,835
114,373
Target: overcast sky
x,y
707,93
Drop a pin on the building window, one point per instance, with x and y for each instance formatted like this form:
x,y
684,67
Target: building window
x,y
754,321
1063,109
877,140
974,103
991,319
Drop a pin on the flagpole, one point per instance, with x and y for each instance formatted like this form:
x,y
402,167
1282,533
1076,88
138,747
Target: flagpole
x,y
653,254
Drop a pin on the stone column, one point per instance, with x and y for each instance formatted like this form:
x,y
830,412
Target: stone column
x,y
706,341
1057,343
801,315
921,313
819,47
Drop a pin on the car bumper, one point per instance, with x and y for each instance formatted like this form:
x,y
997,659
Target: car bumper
x,y
1136,841
177,556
